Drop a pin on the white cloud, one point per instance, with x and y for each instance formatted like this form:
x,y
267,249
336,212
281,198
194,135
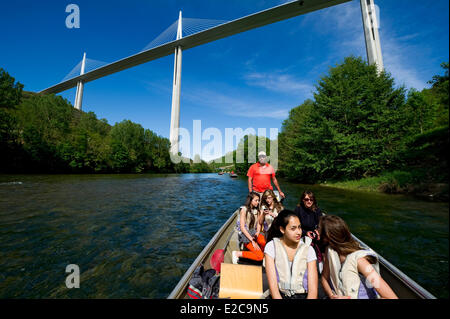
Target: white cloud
x,y
237,105
276,82
397,61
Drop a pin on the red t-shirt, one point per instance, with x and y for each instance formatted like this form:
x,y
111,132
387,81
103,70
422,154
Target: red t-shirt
x,y
261,176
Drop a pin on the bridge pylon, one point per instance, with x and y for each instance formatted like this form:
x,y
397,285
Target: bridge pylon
x,y
372,37
176,92
80,86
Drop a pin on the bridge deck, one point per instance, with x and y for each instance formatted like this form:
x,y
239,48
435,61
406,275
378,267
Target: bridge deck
x,y
275,14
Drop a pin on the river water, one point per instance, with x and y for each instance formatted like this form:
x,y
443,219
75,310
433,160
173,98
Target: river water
x,y
134,236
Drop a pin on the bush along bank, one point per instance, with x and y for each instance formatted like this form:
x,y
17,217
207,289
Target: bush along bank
x,y
361,131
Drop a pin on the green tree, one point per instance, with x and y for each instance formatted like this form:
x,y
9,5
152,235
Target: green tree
x,y
246,153
421,111
351,129
128,151
10,96
440,91
10,91
293,138
199,166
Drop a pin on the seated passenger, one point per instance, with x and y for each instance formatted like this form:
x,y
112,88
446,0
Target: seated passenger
x,y
249,231
270,207
349,272
309,213
290,261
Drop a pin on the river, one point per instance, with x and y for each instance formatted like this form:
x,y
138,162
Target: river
x,y
134,236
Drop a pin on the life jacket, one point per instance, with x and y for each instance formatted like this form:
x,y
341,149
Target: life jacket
x,y
346,279
290,278
254,211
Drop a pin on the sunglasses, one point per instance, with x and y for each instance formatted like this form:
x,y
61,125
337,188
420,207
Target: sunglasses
x,y
308,200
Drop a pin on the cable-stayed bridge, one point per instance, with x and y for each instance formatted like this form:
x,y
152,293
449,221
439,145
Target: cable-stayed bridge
x,y
186,33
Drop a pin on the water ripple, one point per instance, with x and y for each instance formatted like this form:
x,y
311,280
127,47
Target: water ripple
x,y
134,236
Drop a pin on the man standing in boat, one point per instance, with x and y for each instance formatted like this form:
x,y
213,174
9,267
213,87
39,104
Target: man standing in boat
x,y
260,176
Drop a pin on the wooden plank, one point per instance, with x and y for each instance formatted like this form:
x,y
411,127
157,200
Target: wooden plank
x,y
240,281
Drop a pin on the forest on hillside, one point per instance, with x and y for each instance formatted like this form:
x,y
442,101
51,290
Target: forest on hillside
x,y
45,134
359,125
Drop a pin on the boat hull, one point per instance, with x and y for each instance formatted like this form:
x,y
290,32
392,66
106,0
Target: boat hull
x,y
226,238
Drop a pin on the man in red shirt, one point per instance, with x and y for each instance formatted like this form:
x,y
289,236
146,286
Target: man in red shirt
x,y
260,174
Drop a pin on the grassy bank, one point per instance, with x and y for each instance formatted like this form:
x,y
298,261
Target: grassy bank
x,y
398,182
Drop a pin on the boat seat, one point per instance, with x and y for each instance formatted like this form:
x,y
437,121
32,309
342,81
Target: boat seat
x,y
233,244
240,282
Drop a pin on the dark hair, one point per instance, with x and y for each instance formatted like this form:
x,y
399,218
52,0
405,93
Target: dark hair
x,y
311,195
248,206
280,221
335,232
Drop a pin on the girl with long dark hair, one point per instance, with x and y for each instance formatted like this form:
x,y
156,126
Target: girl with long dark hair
x,y
249,231
290,261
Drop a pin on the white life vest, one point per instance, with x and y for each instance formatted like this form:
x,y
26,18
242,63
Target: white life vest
x,y
290,279
345,278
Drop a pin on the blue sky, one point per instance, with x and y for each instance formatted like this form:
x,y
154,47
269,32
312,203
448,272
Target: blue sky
x,y
251,79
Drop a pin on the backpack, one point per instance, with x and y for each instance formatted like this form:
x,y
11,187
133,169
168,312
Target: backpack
x,y
204,284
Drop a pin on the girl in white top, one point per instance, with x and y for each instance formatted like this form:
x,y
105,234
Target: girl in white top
x,y
290,262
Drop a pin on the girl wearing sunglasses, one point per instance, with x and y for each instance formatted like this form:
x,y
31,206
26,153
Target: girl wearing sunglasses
x,y
309,214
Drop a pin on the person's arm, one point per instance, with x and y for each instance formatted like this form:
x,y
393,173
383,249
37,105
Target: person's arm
x,y
317,217
367,270
275,182
325,278
272,277
258,225
242,221
261,217
313,280
250,184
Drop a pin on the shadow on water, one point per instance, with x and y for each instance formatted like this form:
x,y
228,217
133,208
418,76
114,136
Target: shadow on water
x,y
134,236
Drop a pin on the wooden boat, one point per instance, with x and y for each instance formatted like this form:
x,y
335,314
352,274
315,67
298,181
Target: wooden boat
x,y
226,238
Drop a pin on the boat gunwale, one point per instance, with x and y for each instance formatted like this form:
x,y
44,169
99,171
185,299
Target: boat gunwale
x,y
187,275
397,273
401,276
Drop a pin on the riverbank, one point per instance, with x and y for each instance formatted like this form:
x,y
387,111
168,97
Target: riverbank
x,y
397,182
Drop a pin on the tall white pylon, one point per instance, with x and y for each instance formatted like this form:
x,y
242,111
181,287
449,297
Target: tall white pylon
x,y
80,86
176,91
370,24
